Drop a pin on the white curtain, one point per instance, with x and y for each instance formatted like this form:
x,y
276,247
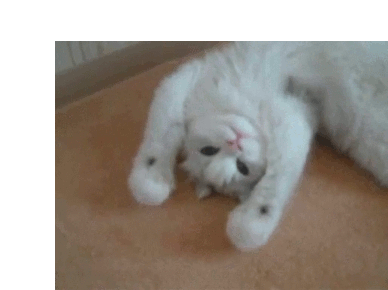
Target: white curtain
x,y
69,54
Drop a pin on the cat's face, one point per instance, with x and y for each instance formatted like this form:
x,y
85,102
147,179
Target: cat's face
x,y
225,152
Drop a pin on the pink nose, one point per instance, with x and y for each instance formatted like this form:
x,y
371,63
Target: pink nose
x,y
234,144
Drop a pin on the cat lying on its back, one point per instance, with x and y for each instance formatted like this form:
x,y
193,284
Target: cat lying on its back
x,y
246,115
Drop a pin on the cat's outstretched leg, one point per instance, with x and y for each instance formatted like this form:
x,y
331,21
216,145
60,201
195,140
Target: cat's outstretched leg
x,y
152,177
289,139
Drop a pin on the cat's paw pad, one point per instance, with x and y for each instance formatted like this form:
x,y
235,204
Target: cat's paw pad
x,y
249,228
149,187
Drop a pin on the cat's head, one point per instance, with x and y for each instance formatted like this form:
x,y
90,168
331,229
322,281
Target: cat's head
x,y
225,152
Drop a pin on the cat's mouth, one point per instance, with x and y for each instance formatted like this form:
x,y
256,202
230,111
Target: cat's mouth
x,y
219,189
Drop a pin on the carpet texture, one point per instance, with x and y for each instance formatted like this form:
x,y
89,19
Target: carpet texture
x,y
334,233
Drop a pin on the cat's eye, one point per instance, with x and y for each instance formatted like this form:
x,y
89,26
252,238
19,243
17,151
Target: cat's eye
x,y
242,168
209,150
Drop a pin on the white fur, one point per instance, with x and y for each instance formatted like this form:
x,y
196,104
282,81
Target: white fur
x,y
261,103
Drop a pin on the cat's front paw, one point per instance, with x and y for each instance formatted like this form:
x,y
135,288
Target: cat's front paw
x,y
249,227
150,187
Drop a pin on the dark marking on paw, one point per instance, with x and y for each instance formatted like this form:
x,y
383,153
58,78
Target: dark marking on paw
x,y
151,161
264,209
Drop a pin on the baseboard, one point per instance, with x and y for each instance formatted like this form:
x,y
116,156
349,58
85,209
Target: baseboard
x,y
90,77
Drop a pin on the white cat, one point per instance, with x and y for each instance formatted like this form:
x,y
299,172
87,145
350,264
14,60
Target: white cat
x,y
246,114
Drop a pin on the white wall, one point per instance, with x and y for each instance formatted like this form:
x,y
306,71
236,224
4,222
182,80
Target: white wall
x,y
69,54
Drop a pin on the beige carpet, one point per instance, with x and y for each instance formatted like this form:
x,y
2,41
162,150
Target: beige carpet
x,y
334,234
